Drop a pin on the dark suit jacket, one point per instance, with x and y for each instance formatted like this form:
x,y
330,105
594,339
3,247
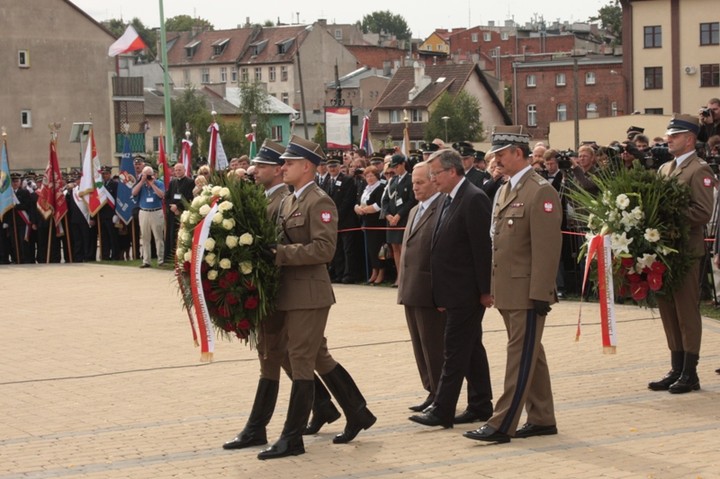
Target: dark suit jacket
x,y
415,287
343,192
399,199
475,176
461,250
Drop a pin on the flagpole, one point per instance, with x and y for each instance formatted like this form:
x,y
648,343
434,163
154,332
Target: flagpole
x,y
166,81
68,242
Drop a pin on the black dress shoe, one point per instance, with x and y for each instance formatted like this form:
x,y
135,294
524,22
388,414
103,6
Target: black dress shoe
x,y
361,420
245,439
717,371
685,384
429,418
530,430
487,433
284,447
468,416
666,381
422,406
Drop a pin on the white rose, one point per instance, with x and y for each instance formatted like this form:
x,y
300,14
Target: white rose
x,y
225,192
212,275
215,190
246,239
187,256
209,244
225,206
246,267
231,241
217,219
180,252
210,259
225,263
204,210
184,216
197,201
185,236
194,218
228,224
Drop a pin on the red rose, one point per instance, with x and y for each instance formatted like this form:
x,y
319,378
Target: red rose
x,y
633,278
231,299
186,266
627,262
655,281
243,324
212,296
658,267
639,290
224,311
251,302
232,276
224,283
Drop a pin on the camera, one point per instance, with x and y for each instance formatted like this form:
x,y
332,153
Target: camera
x,y
149,177
658,155
359,171
563,159
705,112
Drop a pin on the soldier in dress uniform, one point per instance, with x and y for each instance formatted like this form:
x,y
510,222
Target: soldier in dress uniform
x,y
680,311
526,251
467,153
308,221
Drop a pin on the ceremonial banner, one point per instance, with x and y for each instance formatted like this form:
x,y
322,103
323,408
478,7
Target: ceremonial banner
x,y
130,41
163,168
253,145
338,128
405,148
6,192
126,202
82,206
186,156
365,141
599,247
216,156
202,314
92,188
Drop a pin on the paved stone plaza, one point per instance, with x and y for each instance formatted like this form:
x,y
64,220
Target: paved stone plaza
x,y
99,379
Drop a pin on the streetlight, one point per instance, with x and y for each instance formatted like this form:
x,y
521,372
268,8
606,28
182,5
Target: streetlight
x,y
445,119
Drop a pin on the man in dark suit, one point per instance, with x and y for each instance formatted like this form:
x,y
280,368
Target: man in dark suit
x,y
526,251
680,312
397,202
308,222
460,276
467,153
181,188
345,267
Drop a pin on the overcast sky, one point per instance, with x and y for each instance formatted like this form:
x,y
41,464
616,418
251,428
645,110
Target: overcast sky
x,y
225,14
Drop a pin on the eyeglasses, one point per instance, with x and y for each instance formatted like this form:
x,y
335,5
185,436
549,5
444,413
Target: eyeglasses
x,y
433,174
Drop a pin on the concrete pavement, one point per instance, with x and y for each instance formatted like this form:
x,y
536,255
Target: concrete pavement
x,y
99,379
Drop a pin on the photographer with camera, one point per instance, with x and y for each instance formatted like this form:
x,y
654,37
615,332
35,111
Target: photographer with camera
x,y
584,167
150,192
709,120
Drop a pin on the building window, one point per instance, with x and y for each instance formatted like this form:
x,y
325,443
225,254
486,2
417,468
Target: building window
x,y
561,112
613,109
653,78
429,47
591,110
416,116
223,74
654,111
560,79
710,33
271,73
186,77
285,98
244,77
530,81
590,78
277,133
156,143
710,75
487,36
338,34
26,119
532,115
233,74
474,37
23,59
395,116
504,36
205,75
258,74
283,73
653,36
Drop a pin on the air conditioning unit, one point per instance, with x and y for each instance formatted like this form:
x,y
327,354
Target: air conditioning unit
x,y
690,70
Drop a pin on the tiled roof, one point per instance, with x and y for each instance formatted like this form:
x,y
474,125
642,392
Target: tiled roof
x,y
374,56
265,48
154,101
235,41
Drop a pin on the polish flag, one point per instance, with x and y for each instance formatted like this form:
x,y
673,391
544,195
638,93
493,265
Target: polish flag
x,y
128,42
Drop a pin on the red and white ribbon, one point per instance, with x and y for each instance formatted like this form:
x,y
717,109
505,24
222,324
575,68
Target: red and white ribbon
x,y
599,247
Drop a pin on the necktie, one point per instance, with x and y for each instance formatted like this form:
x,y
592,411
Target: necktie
x,y
446,205
673,165
418,215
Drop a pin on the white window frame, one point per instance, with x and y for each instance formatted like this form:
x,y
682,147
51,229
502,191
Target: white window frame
x,y
223,74
283,73
531,81
271,73
591,110
205,75
258,74
532,115
26,118
504,36
474,37
285,97
614,109
561,112
487,36
590,78
23,58
244,75
233,74
560,79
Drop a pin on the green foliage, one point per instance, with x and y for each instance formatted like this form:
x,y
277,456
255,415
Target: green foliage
x,y
464,122
610,17
190,113
185,23
388,22
254,103
319,137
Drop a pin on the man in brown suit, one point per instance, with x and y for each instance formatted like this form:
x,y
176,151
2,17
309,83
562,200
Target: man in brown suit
x,y
526,251
308,222
680,313
425,323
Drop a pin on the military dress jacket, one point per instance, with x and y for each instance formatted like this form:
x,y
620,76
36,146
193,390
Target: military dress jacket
x,y
308,235
275,200
695,173
526,244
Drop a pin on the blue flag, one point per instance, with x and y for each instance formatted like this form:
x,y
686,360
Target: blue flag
x,y
6,192
125,202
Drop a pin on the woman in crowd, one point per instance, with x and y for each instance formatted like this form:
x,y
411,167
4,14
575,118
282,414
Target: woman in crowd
x,y
368,209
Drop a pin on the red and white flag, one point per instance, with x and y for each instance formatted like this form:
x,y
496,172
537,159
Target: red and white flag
x,y
216,156
92,188
163,167
130,41
51,200
186,155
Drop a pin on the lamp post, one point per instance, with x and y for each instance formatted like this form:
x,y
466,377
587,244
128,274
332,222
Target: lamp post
x,y
445,119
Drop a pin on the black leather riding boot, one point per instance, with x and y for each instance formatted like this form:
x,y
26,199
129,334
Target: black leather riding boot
x,y
688,380
352,402
291,441
323,410
263,407
677,359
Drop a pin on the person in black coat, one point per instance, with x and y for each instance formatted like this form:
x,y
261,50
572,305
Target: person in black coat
x,y
109,237
181,188
368,208
345,267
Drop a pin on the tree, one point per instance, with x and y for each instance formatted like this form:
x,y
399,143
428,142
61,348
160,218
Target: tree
x,y
185,23
189,112
610,17
387,22
319,137
254,110
463,123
